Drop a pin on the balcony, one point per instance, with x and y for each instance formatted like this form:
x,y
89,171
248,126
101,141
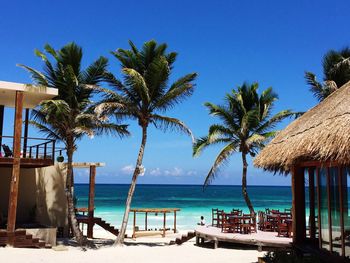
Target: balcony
x,y
36,152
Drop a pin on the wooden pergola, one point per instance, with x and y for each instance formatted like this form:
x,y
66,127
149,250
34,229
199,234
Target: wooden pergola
x,y
156,211
91,203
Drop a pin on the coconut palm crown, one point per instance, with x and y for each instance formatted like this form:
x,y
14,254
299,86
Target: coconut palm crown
x,y
247,124
145,94
336,72
68,116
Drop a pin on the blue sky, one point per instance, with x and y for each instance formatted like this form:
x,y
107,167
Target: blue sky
x,y
226,42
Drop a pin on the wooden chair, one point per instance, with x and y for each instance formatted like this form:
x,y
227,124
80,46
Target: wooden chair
x,y
253,223
225,224
264,225
282,228
246,224
216,217
261,220
237,212
230,224
7,151
288,210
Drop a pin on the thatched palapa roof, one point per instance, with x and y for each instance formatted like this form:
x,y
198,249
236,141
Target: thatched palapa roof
x,y
320,134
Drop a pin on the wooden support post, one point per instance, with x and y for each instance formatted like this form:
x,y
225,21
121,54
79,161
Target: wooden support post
x,y
216,243
53,150
134,226
91,207
329,209
164,224
319,207
146,221
25,139
174,221
341,204
13,198
298,200
1,123
311,172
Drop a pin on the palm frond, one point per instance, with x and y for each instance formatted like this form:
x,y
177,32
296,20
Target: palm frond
x,y
220,160
274,120
315,87
203,142
50,134
136,80
95,72
167,123
37,77
220,130
156,76
112,129
179,90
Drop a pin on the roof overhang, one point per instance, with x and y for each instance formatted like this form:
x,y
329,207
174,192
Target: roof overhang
x,y
33,95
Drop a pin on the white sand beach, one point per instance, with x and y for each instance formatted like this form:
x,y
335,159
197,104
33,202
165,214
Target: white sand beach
x,y
187,252
150,249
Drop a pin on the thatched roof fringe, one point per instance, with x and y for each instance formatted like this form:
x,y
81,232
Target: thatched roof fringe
x,y
322,134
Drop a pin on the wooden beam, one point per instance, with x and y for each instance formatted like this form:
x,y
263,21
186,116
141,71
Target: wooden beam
x,y
134,226
2,108
311,172
146,219
298,202
319,207
341,204
318,164
91,206
164,224
174,221
329,209
13,198
25,139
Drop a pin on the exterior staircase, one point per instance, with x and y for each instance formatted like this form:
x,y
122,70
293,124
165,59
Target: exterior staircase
x,y
184,238
21,240
106,226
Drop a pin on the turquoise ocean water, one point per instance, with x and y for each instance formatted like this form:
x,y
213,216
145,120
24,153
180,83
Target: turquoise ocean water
x,y
191,199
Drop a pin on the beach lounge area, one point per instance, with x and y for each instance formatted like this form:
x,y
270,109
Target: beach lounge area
x,y
273,228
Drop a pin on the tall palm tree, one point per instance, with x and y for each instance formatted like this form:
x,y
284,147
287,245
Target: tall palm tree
x,y
247,124
145,95
336,71
67,117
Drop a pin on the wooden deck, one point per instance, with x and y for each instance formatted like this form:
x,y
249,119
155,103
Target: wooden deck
x,y
26,162
259,239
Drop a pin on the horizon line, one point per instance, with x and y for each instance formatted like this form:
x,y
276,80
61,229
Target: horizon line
x,y
183,184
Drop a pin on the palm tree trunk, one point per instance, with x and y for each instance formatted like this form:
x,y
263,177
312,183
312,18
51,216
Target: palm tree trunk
x,y
244,184
70,199
121,235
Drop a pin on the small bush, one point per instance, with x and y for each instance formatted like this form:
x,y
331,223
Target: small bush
x,y
285,256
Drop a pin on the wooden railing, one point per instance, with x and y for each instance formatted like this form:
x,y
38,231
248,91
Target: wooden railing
x,y
32,148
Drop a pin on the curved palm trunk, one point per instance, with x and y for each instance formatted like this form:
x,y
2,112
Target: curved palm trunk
x,y
121,235
244,184
70,200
